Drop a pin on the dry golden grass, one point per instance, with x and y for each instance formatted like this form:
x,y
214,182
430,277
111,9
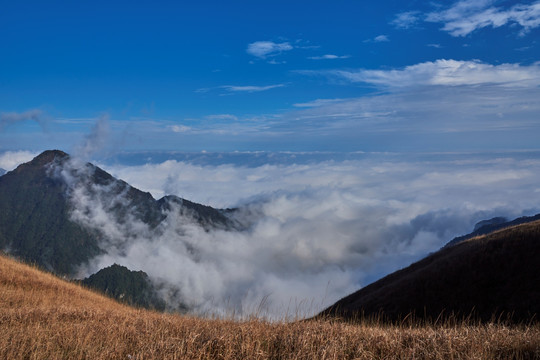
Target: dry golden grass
x,y
43,317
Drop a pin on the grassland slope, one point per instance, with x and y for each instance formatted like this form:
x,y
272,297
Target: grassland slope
x,y
44,317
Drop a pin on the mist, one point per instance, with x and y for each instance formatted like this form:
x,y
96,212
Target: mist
x,y
315,232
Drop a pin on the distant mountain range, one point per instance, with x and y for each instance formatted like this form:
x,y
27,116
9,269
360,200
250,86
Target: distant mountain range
x,y
482,277
2,171
36,223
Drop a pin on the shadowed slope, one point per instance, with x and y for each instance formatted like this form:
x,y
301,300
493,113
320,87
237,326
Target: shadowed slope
x,y
488,276
35,223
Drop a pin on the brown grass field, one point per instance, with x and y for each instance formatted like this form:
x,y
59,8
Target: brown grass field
x,y
44,317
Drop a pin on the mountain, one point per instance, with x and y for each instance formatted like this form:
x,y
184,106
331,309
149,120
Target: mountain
x,y
487,226
132,287
35,224
37,212
2,171
492,275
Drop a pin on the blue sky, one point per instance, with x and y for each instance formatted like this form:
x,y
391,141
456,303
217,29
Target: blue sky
x,y
360,98
273,76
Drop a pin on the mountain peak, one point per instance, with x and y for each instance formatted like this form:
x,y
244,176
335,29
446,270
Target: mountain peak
x,y
49,156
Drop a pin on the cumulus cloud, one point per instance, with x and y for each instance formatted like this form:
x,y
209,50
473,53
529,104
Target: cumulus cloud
x,y
8,118
447,73
316,231
466,16
264,49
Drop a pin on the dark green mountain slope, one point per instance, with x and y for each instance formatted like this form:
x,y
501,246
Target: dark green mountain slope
x,y
35,210
491,275
131,287
34,218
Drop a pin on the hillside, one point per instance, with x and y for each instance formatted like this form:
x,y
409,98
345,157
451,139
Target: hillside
x,y
36,206
131,287
44,317
494,275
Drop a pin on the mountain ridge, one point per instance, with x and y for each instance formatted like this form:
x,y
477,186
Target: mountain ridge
x,y
488,226
46,208
37,223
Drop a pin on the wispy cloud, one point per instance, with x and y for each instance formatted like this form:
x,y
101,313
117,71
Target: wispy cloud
x,y
447,73
406,20
232,89
317,103
378,39
264,49
250,88
329,57
222,117
466,16
180,128
8,118
96,140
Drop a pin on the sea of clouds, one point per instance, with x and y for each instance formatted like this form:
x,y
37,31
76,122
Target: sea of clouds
x,y
317,230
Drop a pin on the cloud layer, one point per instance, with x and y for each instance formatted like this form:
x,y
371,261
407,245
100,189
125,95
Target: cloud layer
x,y
316,231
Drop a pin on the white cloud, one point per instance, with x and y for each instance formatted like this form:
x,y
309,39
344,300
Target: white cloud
x,y
466,16
224,117
317,103
264,49
406,20
329,57
378,39
318,231
179,128
9,160
231,89
448,73
250,88
381,38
